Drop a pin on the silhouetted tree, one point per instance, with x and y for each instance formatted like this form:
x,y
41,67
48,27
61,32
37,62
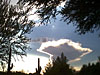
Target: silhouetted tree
x,y
46,9
99,59
14,73
59,67
90,69
48,68
3,65
14,24
83,13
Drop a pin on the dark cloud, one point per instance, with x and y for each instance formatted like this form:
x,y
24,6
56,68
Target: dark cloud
x,y
41,40
72,50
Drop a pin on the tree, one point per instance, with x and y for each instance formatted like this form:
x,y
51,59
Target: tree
x,y
90,69
99,59
14,24
83,13
46,9
3,66
59,67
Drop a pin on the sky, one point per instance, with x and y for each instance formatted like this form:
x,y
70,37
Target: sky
x,y
49,41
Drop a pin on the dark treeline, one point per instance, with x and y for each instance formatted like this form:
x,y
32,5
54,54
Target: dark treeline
x,y
13,73
60,66
90,69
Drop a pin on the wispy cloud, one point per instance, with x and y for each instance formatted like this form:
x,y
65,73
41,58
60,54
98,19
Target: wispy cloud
x,y
72,50
41,40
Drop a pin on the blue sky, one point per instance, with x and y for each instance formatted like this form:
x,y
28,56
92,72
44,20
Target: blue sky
x,y
60,30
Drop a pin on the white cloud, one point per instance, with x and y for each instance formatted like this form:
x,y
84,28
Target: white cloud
x,y
72,50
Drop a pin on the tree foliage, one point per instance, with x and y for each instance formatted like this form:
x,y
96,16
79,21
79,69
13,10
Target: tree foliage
x,y
83,13
14,24
59,67
46,9
90,69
